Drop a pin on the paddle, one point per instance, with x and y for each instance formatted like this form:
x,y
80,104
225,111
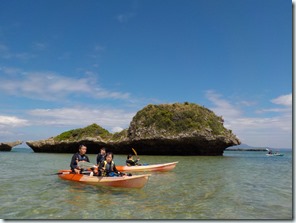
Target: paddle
x,y
86,165
135,152
83,172
83,165
55,174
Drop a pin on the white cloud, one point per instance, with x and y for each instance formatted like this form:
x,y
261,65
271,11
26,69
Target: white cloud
x,y
111,119
285,100
12,121
272,130
116,129
222,106
51,86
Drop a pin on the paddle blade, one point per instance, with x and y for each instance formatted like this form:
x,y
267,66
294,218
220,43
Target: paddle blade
x,y
85,165
135,151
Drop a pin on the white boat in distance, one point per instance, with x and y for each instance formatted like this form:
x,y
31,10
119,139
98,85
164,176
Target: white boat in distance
x,y
270,153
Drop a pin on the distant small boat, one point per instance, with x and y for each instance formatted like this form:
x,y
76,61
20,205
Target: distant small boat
x,y
274,154
270,153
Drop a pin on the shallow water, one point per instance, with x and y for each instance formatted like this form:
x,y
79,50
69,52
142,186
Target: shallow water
x,y
238,185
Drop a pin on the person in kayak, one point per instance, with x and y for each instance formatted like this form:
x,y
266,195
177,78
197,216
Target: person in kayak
x,y
131,162
108,168
77,157
101,156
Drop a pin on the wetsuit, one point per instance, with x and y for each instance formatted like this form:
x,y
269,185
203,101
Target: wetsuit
x,y
131,162
78,157
100,158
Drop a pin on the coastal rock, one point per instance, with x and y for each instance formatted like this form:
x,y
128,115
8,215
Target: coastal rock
x,y
7,146
166,129
65,146
92,136
179,129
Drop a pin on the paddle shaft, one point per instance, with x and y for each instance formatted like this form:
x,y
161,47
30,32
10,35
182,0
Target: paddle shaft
x,y
135,152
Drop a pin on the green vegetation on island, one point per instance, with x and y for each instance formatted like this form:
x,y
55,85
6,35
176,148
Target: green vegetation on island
x,y
92,130
169,119
179,118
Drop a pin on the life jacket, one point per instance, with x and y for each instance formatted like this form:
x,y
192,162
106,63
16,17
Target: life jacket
x,y
78,158
108,167
81,158
129,162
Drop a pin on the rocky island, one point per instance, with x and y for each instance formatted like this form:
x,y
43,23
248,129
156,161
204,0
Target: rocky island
x,y
165,129
7,146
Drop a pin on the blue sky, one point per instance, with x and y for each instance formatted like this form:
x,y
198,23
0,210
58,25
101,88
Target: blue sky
x,y
67,64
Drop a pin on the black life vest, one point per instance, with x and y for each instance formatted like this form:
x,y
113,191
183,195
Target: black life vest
x,y
81,157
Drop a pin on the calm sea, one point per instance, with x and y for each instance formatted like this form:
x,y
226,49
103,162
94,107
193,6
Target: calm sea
x,y
238,185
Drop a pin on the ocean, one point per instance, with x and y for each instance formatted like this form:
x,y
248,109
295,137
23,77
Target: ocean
x,y
241,185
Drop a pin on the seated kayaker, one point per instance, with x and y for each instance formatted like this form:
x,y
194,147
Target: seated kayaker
x,y
80,156
131,162
108,168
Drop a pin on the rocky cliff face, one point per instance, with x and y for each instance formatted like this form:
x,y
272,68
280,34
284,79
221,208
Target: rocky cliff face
x,y
7,146
179,129
168,129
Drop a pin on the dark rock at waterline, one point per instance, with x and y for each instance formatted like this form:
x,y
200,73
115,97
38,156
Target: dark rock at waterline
x,y
7,146
167,129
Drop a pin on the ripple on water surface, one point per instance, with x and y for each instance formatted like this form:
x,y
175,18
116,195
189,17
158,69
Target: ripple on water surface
x,y
235,186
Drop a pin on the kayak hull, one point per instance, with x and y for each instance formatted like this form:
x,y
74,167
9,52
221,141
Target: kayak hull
x,y
136,181
153,168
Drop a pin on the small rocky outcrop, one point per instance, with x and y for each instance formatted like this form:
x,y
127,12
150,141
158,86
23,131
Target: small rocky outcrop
x,y
92,136
7,146
167,129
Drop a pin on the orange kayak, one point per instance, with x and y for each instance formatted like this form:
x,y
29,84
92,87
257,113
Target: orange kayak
x,y
155,167
135,181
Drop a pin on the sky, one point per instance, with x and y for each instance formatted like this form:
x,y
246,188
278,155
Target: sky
x,y
66,64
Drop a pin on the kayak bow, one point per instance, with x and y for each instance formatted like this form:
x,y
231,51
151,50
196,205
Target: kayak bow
x,y
155,167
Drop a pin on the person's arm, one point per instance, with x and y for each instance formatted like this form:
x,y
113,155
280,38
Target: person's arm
x,y
114,169
98,159
73,163
136,162
102,168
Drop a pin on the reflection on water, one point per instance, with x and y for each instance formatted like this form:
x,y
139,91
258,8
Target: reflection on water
x,y
239,185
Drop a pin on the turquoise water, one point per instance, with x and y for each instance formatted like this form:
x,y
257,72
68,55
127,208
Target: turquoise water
x,y
238,185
